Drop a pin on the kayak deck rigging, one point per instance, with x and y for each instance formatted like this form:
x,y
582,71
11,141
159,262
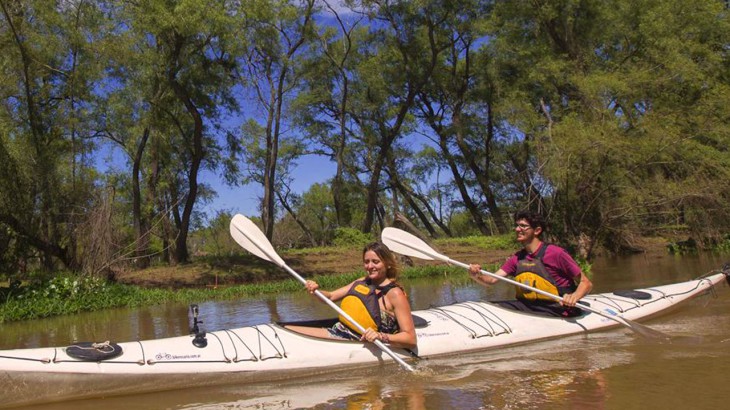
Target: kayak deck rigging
x,y
491,320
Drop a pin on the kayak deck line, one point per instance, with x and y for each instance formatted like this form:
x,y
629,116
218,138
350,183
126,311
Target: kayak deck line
x,y
615,301
482,313
253,356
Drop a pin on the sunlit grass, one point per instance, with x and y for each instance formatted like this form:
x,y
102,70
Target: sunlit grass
x,y
67,294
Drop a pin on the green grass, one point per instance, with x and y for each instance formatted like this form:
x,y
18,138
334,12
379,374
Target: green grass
x,y
68,294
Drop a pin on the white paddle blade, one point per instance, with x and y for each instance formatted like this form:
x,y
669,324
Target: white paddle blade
x,y
402,242
250,237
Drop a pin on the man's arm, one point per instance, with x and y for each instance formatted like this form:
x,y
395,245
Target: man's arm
x,y
584,287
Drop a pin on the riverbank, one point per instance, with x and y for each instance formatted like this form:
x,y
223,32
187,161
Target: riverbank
x,y
244,268
236,276
225,277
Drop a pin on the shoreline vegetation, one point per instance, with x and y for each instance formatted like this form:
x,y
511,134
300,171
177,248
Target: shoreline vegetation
x,y
235,276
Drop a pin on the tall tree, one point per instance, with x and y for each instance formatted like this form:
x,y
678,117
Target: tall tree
x,y
278,33
49,71
190,40
614,92
322,107
404,49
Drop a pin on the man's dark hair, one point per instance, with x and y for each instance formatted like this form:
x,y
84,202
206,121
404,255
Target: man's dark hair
x,y
533,218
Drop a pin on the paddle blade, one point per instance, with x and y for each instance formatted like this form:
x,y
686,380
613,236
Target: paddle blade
x,y
400,241
250,237
647,332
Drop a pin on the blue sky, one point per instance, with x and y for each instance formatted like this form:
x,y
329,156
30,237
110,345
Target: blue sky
x,y
311,169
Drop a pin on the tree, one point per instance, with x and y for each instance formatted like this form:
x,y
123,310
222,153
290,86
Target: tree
x,y
322,107
277,32
609,110
398,60
193,70
49,70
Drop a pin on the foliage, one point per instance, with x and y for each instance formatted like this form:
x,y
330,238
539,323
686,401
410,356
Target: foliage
x,y
682,247
65,286
351,237
624,123
215,239
461,225
49,68
610,117
276,34
69,294
311,219
723,246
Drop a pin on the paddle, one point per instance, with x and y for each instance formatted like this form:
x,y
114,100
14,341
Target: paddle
x,y
250,237
407,244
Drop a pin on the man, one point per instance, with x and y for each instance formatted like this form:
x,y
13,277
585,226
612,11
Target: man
x,y
540,265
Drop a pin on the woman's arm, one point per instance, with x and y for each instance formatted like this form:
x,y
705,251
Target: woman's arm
x,y
406,337
334,295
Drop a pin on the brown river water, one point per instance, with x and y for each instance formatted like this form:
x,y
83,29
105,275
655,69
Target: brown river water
x,y
613,369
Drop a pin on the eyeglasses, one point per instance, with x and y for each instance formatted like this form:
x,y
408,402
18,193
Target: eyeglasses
x,y
523,227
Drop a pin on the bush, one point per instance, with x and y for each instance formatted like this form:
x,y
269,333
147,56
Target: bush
x,y
65,286
351,237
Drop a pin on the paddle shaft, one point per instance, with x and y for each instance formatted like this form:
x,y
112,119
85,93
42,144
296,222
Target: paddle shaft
x,y
403,243
344,314
272,257
408,244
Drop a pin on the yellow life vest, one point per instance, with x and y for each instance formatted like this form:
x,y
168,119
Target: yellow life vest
x,y
533,273
362,304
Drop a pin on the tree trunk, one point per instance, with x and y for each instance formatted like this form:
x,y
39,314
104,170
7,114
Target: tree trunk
x,y
139,220
196,158
372,193
268,212
482,174
470,206
292,212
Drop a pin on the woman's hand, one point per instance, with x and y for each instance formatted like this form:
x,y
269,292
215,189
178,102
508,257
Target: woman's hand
x,y
475,272
371,336
311,286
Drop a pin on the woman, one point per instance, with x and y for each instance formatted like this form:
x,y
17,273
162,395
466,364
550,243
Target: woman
x,y
375,301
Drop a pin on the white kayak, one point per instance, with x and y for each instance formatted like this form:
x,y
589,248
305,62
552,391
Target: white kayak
x,y
270,351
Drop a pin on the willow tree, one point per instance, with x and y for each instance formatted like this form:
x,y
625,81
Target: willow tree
x,y
457,105
184,80
396,62
277,33
322,107
49,70
620,106
134,111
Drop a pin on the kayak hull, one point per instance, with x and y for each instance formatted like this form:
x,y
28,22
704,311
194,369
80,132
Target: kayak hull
x,y
270,351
